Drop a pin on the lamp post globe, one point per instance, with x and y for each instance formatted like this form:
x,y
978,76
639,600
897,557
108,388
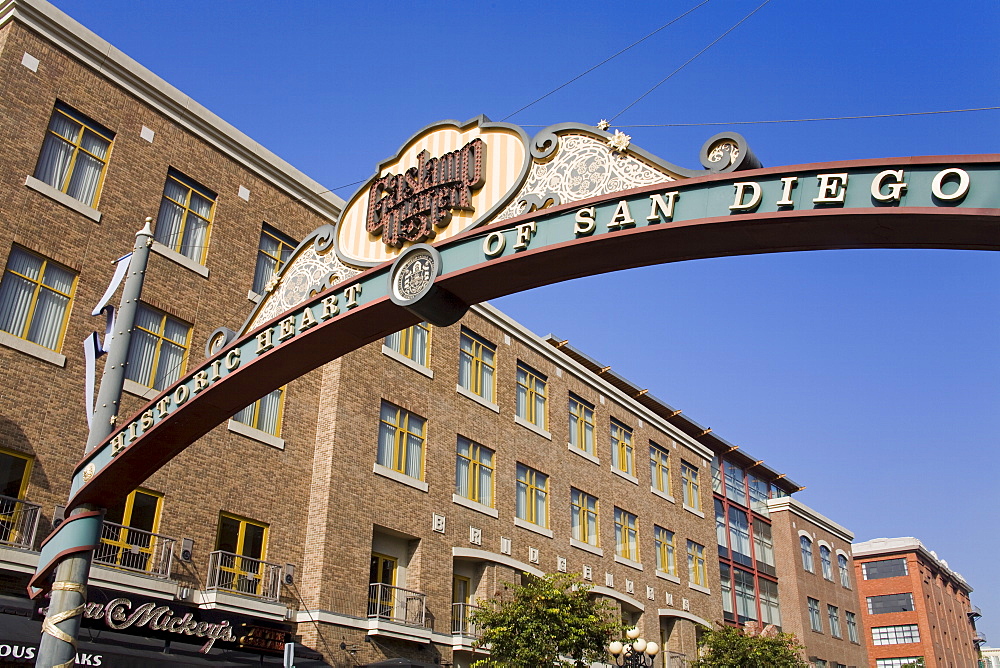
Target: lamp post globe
x,y
635,654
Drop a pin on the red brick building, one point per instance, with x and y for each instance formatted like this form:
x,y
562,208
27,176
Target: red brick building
x,y
913,606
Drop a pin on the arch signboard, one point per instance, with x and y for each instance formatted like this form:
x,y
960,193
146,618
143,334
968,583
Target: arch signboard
x,y
467,212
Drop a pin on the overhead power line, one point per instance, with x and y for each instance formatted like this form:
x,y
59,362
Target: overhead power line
x,y
606,60
691,59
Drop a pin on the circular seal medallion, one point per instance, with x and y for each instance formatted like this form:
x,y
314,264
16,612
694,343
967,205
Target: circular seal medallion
x,y
89,472
413,274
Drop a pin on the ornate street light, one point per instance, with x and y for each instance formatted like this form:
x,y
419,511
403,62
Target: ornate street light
x,y
636,654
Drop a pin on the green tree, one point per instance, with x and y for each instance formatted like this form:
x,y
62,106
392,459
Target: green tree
x,y
731,647
546,621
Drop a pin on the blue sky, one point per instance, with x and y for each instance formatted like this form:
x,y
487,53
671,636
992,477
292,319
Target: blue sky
x,y
871,377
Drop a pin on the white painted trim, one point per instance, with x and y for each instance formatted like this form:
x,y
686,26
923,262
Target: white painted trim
x,y
474,505
613,593
668,576
703,590
583,453
20,561
382,627
626,476
533,427
484,555
478,399
693,511
254,297
140,390
132,583
258,435
101,56
586,547
62,198
531,526
33,349
406,361
662,494
221,600
628,562
182,260
387,472
796,507
671,612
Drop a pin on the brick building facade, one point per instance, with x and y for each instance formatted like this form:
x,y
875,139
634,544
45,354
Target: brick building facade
x,y
914,606
364,508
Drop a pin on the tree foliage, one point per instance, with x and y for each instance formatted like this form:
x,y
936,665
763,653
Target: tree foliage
x,y
731,647
546,621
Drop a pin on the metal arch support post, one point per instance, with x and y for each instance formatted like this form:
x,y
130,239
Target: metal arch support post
x,y
69,591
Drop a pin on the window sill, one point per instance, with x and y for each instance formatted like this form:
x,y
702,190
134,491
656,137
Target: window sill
x,y
668,576
625,561
662,494
256,434
386,472
478,399
586,547
475,505
694,511
533,427
254,297
703,590
32,349
406,361
583,453
621,474
139,389
531,526
182,260
62,198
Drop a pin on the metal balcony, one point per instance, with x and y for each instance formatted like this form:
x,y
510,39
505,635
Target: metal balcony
x,y
461,622
398,605
974,612
979,638
675,660
135,550
243,575
18,522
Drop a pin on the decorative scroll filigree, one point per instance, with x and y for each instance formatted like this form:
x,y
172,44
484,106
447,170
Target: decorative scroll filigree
x,y
583,166
313,270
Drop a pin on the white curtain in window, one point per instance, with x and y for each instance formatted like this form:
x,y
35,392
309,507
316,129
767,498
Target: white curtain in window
x,y
171,216
419,344
47,320
386,436
392,342
246,415
196,227
486,480
521,501
53,164
267,415
465,370
87,170
487,377
16,292
264,271
414,449
462,470
521,407
141,354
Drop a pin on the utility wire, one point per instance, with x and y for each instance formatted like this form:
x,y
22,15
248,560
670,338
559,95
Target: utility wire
x,y
689,60
609,58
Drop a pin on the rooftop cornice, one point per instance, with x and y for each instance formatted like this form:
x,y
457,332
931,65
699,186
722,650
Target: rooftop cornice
x,y
805,512
99,55
878,547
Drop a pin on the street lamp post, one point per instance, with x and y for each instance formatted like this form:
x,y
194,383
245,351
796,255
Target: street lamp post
x,y
635,654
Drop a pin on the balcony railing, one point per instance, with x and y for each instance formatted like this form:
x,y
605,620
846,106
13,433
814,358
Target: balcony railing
x,y
974,611
979,638
675,660
461,622
244,575
18,522
395,604
135,550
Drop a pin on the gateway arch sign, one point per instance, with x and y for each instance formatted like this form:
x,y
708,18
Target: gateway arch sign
x,y
467,212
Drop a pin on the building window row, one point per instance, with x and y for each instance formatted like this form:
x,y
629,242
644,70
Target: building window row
x,y
740,486
897,662
879,605
886,568
895,635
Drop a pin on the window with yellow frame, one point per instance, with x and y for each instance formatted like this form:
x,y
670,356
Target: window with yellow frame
x,y
412,342
158,350
265,414
626,535
581,424
15,471
35,298
659,468
74,156
273,253
530,405
477,365
531,501
128,539
185,217
696,564
401,441
621,447
583,517
474,471
689,486
243,543
665,558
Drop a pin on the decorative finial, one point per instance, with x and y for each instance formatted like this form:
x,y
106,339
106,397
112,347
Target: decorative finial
x,y
147,230
603,124
272,284
619,141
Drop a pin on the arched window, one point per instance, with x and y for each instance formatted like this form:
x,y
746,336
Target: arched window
x,y
845,574
824,558
807,553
